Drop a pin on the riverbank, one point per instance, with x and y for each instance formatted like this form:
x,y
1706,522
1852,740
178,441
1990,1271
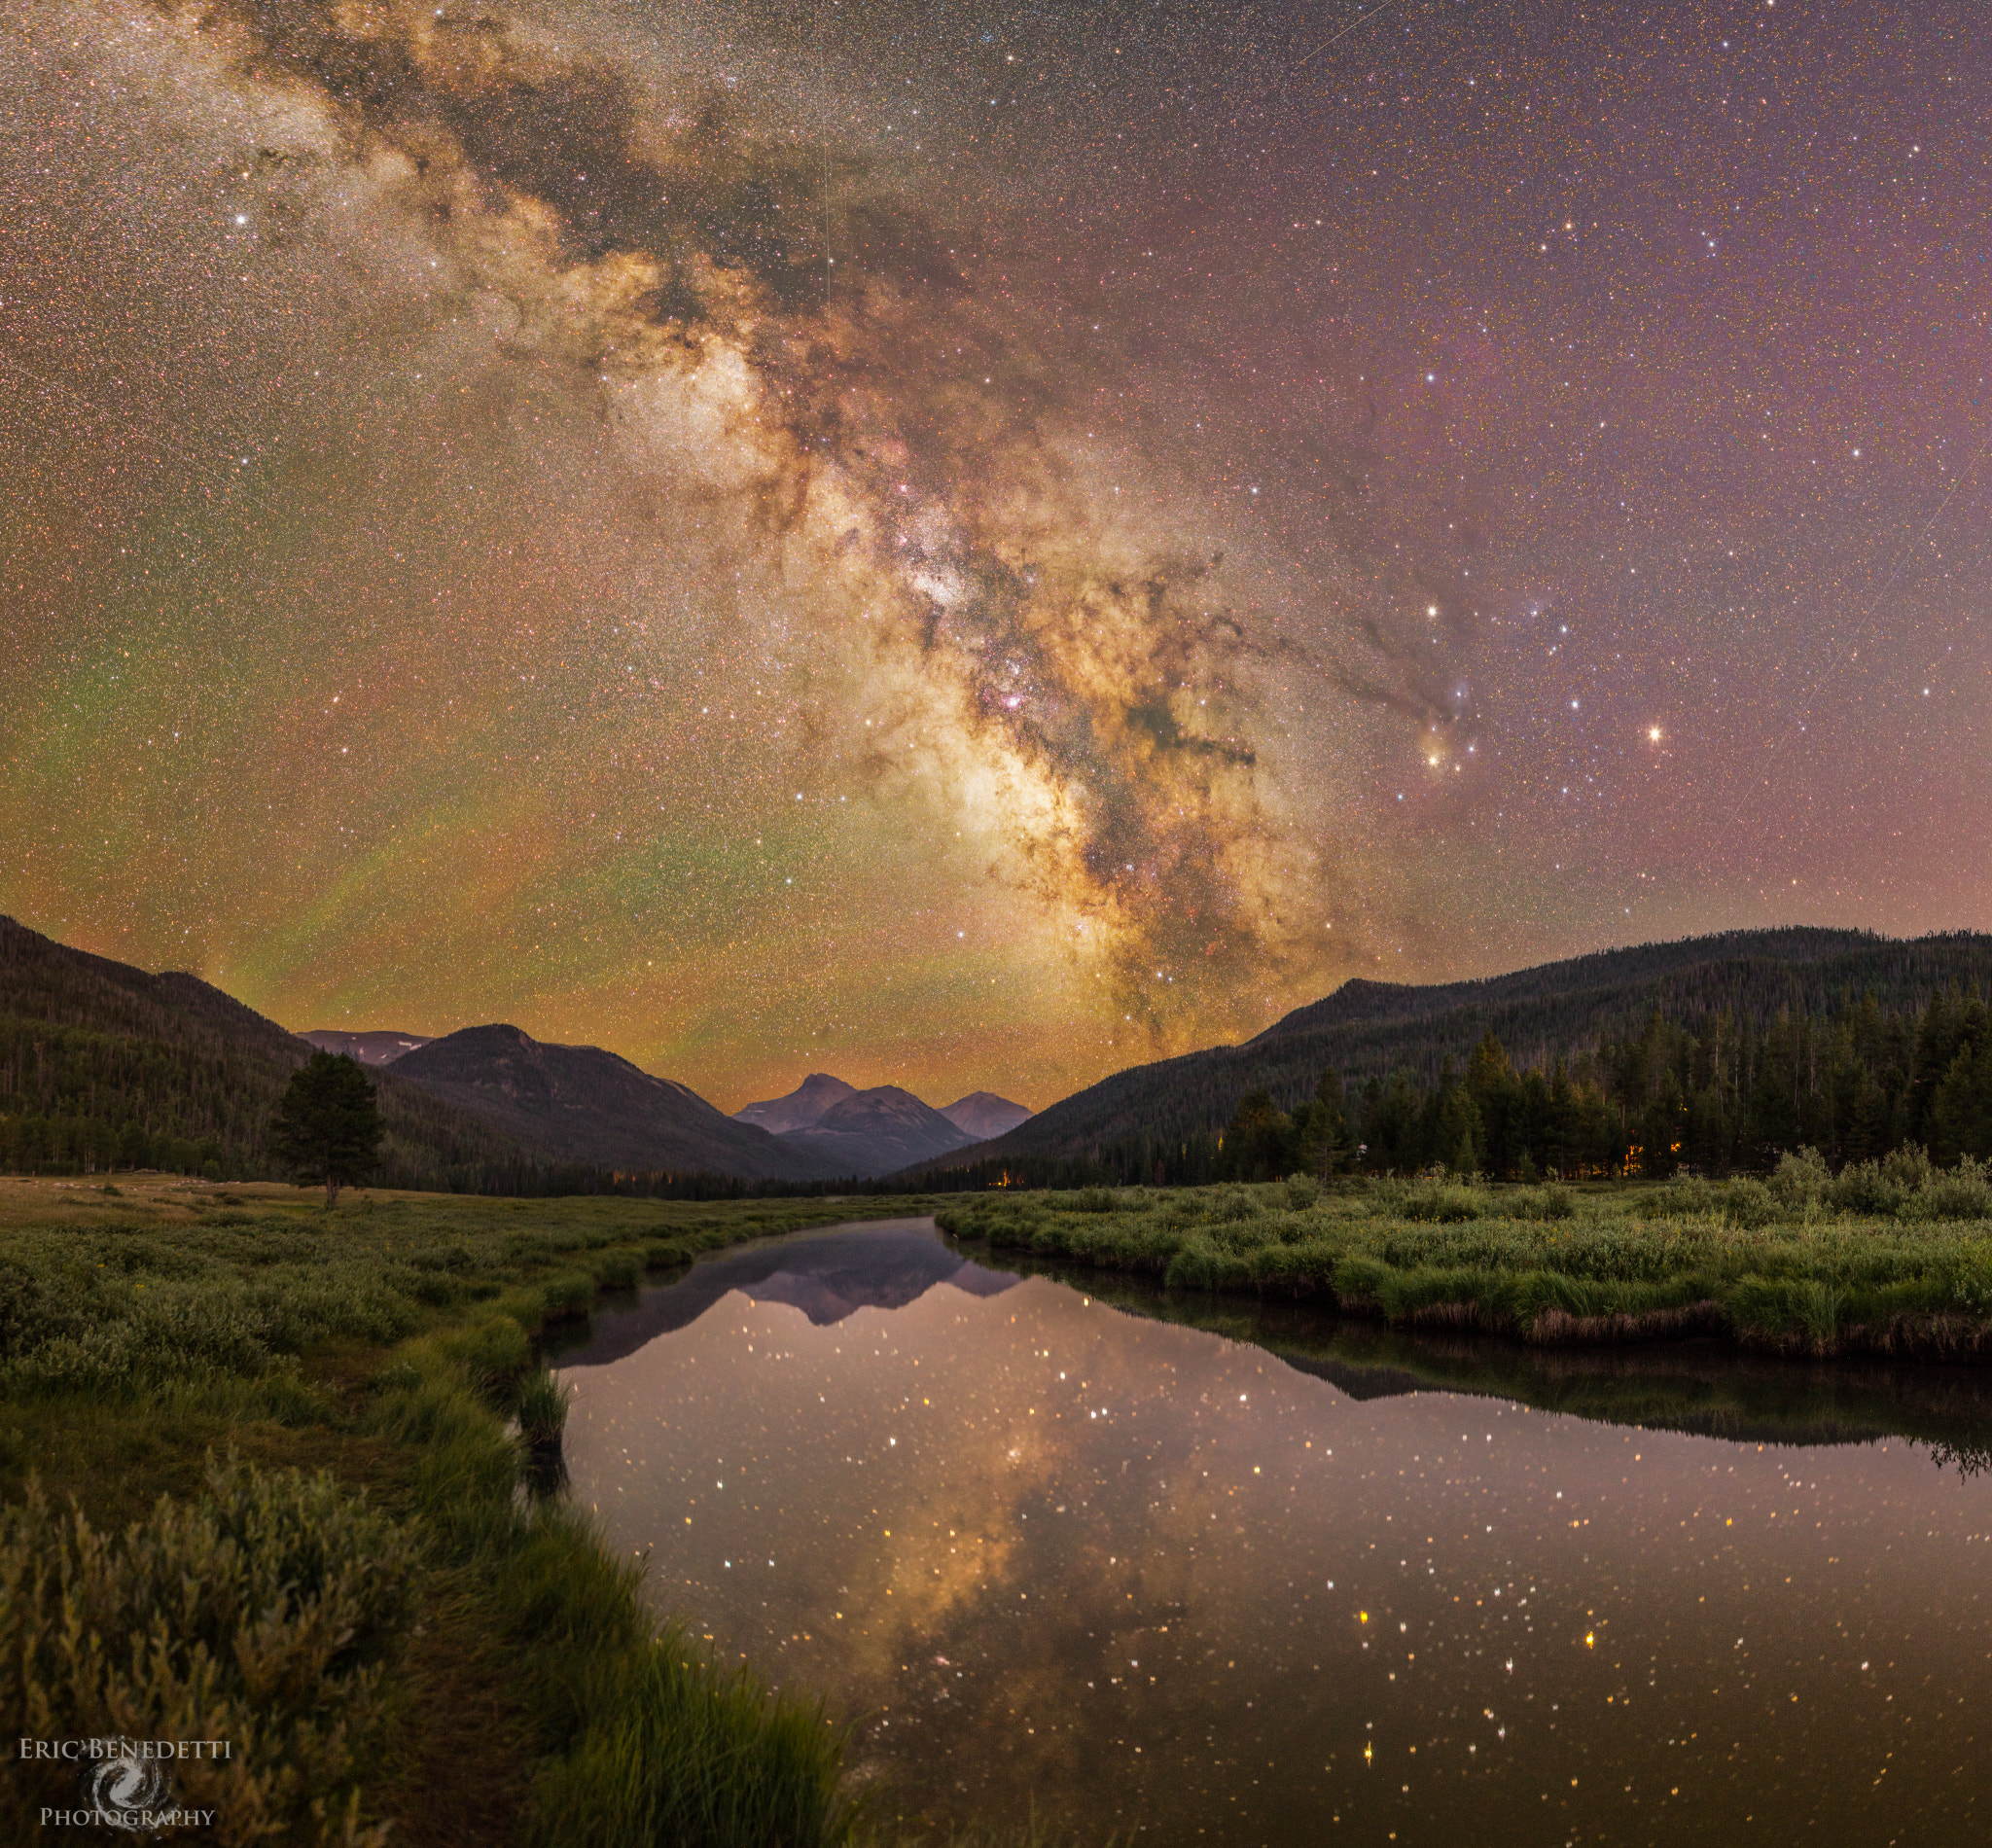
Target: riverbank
x,y
1893,1261
295,1443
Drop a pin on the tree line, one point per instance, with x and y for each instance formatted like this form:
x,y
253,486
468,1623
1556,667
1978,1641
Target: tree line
x,y
1731,1099
1723,1096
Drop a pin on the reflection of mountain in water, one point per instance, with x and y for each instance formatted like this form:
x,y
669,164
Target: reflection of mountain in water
x,y
826,1275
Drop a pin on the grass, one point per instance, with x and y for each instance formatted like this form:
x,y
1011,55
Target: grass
x,y
261,1469
1893,1259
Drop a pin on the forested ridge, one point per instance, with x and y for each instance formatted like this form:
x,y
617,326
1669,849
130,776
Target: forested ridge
x,y
104,1066
1714,1053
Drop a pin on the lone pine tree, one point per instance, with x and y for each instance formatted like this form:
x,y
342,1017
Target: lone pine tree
x,y
327,1125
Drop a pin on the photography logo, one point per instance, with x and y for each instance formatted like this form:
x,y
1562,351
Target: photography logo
x,y
126,1791
124,1784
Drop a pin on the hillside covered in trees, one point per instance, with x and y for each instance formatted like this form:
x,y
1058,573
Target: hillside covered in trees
x,y
1714,1054
104,1066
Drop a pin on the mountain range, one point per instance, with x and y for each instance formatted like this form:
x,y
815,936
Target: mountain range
x,y
880,1130
102,1064
105,1065
582,1104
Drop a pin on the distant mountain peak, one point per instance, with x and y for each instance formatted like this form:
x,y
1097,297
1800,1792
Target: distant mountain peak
x,y
800,1108
584,1104
981,1115
880,1130
379,1046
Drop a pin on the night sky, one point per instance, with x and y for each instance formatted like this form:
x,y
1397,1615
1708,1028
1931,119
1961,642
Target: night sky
x,y
970,546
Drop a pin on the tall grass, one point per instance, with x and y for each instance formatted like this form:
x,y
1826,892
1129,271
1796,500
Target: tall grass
x,y
1805,1262
676,1749
644,1740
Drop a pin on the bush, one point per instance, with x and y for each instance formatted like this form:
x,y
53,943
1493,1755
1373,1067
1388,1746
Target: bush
x,y
1907,1167
1800,1183
1360,1281
1230,1206
265,1614
1683,1196
1445,1203
619,1270
1964,1191
1302,1191
1863,1186
1749,1204
1200,1264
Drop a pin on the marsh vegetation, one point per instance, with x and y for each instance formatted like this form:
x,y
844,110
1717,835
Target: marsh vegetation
x,y
1892,1256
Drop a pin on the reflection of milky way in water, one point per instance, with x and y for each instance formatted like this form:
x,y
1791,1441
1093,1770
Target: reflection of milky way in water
x,y
1119,1568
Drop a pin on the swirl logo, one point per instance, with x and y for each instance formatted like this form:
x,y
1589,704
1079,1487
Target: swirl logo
x,y
124,1786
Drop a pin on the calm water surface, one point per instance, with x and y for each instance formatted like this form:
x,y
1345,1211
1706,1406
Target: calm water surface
x,y
1165,1583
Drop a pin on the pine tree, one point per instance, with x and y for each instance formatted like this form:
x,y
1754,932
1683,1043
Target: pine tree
x,y
327,1125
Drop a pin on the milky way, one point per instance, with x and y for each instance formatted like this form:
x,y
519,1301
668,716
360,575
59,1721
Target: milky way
x,y
970,548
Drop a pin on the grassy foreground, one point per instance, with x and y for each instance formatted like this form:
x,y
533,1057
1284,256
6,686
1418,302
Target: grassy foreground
x,y
1891,1258
261,1481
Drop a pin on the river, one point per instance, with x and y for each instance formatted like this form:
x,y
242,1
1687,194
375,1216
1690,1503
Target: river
x,y
1281,1580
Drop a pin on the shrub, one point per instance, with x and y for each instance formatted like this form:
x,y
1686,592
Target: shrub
x,y
265,1614
1302,1191
1862,1187
1683,1196
1445,1202
1800,1183
1749,1204
1199,1263
22,1319
1907,1167
1360,1280
1964,1191
619,1270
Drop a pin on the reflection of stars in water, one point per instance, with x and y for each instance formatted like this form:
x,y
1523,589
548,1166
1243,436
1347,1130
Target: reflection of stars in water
x,y
1109,1561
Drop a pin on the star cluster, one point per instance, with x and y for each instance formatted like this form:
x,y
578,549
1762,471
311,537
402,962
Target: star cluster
x,y
972,546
